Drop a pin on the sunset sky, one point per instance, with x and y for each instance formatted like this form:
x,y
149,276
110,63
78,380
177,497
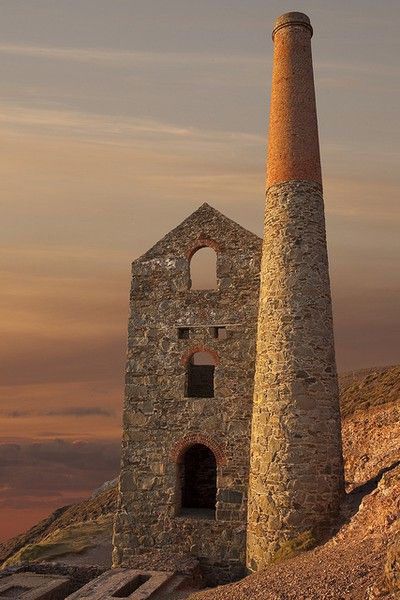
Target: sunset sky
x,y
118,118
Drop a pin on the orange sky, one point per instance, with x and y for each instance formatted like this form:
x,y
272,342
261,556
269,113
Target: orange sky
x,y
119,119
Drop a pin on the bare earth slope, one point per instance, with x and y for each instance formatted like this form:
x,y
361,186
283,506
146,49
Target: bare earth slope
x,y
370,404
360,560
350,565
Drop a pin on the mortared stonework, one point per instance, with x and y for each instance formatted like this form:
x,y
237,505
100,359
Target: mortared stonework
x,y
161,423
296,474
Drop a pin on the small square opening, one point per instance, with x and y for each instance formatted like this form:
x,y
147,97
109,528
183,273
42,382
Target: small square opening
x,y
219,333
183,333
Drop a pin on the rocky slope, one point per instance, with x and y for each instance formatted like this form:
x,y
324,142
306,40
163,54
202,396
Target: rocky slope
x,y
80,534
370,404
354,563
360,560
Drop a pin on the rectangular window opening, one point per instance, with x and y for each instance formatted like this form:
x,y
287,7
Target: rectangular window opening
x,y
200,381
183,333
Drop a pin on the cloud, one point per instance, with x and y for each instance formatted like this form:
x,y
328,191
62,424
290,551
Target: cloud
x,y
16,414
331,74
71,411
51,358
75,123
80,411
37,477
24,407
110,128
116,58
51,471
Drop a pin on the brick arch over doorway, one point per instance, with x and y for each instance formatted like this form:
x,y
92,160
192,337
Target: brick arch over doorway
x,y
187,441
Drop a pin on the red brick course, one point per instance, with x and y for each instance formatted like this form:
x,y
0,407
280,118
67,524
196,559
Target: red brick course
x,y
202,243
183,444
189,353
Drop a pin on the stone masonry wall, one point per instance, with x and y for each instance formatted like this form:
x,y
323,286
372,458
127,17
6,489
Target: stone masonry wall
x,y
296,459
160,423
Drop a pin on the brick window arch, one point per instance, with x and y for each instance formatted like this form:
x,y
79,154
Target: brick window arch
x,y
182,445
203,242
196,349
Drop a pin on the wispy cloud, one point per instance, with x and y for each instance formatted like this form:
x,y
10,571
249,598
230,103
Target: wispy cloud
x,y
109,128
70,411
120,58
79,411
66,468
75,122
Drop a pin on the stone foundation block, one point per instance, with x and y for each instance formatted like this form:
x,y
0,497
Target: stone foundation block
x,y
32,586
124,583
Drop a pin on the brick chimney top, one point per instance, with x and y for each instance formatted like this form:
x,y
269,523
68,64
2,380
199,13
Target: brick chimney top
x,y
292,18
293,149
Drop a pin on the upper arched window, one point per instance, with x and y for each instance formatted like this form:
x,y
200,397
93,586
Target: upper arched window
x,y
203,269
200,375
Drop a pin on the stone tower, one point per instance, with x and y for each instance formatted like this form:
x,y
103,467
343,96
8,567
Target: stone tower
x,y
186,441
296,472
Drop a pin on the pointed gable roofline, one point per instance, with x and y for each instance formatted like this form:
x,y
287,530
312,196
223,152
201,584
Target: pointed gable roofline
x,y
206,226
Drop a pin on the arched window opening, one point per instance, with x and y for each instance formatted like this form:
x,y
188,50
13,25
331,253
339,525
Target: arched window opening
x,y
203,269
200,375
198,480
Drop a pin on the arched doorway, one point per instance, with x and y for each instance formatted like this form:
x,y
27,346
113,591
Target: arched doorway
x,y
198,479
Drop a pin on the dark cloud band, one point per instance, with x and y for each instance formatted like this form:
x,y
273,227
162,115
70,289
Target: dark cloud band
x,y
70,411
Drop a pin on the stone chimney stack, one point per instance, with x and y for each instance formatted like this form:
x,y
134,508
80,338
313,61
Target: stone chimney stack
x,y
296,469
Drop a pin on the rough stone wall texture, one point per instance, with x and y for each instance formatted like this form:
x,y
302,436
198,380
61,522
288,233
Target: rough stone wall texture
x,y
296,475
160,423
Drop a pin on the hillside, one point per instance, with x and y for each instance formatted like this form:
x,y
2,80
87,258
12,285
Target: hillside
x,y
352,564
362,559
370,404
80,534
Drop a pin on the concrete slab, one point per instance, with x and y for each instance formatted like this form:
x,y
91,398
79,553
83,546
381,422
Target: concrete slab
x,y
124,583
32,586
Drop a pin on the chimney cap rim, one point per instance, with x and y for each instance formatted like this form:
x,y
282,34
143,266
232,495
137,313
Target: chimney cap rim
x,y
292,18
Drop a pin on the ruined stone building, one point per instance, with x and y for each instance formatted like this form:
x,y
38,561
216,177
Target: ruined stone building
x,y
189,388
208,469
